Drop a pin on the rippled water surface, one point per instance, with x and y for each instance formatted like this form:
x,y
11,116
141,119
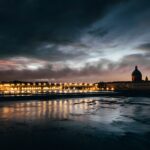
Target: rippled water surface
x,y
106,122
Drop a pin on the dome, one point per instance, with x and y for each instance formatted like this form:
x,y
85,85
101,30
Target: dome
x,y
136,75
136,72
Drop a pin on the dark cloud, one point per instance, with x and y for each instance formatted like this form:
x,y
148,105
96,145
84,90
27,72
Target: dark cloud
x,y
102,70
47,72
80,34
145,47
126,23
27,24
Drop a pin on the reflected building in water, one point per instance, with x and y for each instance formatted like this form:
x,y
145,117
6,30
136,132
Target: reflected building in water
x,y
58,110
53,109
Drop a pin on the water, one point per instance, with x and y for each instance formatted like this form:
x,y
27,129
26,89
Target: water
x,y
87,123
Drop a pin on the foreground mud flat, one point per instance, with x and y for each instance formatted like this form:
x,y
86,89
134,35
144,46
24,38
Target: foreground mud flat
x,y
76,123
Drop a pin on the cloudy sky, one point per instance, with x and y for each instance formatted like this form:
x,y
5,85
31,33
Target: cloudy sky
x,y
74,40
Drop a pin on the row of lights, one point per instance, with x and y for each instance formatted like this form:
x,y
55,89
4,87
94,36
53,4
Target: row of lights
x,y
108,89
45,84
55,91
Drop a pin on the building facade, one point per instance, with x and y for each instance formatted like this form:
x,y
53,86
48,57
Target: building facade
x,y
137,84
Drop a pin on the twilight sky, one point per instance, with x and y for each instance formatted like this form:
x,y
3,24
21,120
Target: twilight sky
x,y
74,40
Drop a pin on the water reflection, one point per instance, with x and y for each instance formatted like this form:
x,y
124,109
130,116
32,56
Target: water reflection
x,y
54,109
101,110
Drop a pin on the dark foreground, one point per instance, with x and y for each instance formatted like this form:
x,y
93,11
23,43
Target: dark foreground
x,y
87,123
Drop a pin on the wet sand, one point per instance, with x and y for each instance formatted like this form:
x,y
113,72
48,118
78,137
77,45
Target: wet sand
x,y
77,123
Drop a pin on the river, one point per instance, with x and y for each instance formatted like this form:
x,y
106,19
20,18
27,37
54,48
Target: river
x,y
77,123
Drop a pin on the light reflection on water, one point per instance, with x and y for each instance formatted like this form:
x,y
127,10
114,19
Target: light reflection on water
x,y
53,109
108,111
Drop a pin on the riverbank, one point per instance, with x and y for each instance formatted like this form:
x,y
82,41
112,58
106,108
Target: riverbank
x,y
56,96
75,95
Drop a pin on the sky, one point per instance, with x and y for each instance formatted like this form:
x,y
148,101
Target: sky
x,y
74,40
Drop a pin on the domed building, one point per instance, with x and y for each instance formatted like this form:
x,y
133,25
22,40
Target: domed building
x,y
136,75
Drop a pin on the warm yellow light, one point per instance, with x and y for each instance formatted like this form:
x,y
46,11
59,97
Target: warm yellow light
x,y
112,89
85,84
107,88
7,84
